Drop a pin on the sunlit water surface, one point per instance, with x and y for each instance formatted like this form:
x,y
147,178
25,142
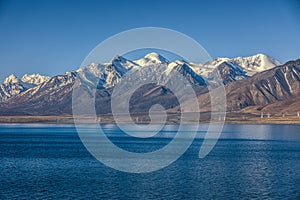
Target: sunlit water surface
x,y
249,162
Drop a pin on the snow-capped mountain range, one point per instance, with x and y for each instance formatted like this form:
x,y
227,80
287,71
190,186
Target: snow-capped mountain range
x,y
251,64
252,83
12,85
106,75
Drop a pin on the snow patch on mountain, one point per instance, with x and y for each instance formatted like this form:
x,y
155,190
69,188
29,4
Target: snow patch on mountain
x,y
12,86
151,59
124,63
257,63
108,74
251,64
11,79
35,79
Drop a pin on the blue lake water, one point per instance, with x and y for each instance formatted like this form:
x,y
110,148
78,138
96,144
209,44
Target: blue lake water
x,y
248,162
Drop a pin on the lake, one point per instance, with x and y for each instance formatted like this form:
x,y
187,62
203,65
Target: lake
x,y
248,162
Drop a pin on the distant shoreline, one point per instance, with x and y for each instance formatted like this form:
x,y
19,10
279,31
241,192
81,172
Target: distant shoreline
x,y
232,118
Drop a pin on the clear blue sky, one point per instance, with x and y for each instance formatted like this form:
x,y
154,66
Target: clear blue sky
x,y
54,36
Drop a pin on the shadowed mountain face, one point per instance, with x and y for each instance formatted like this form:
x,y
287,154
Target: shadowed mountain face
x,y
229,72
265,90
278,84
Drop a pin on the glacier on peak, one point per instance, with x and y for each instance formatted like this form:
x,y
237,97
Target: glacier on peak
x,y
11,86
151,59
35,79
251,64
11,79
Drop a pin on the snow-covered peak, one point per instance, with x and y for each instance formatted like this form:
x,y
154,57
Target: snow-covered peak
x,y
186,70
119,59
94,68
125,63
35,79
12,86
174,64
217,61
11,79
154,55
93,65
251,64
256,63
229,72
150,59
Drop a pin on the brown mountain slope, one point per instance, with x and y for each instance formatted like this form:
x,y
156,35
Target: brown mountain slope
x,y
280,85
